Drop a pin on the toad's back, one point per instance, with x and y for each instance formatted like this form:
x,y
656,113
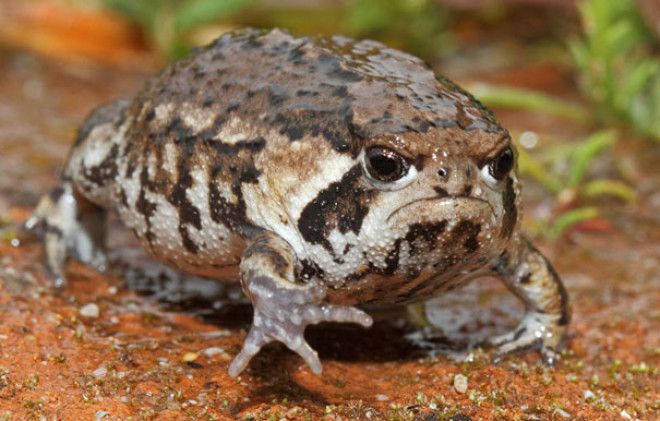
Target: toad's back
x,y
173,162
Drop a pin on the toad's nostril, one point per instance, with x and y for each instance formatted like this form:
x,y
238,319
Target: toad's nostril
x,y
443,172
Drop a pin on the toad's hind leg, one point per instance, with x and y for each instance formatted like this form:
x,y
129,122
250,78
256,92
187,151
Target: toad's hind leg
x,y
529,275
283,308
72,227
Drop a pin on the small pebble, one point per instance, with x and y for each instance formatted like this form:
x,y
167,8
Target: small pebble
x,y
189,357
460,383
100,372
99,415
588,395
90,310
625,415
562,413
215,334
382,398
213,351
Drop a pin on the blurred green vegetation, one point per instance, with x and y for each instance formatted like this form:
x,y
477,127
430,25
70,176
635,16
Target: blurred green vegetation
x,y
418,26
526,99
168,22
415,25
618,64
563,169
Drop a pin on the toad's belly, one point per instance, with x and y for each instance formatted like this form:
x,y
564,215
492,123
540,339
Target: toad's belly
x,y
188,239
211,251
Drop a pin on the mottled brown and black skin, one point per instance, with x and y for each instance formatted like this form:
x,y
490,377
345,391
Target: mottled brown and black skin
x,y
247,160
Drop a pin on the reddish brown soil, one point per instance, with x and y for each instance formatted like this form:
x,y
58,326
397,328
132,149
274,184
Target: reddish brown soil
x,y
140,358
137,359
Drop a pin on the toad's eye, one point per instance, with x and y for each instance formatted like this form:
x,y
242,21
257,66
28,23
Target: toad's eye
x,y
385,164
501,165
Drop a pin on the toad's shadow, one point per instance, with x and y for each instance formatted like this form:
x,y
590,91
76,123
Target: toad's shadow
x,y
467,316
224,305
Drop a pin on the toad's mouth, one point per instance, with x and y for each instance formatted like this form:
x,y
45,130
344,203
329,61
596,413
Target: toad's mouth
x,y
442,200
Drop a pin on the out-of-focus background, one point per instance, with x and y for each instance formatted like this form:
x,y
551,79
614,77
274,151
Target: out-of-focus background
x,y
577,83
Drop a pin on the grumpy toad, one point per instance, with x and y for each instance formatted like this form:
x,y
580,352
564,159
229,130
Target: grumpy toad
x,y
323,173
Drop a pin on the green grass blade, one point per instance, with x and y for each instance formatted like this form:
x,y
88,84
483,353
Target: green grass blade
x,y
570,218
531,167
610,187
503,96
586,152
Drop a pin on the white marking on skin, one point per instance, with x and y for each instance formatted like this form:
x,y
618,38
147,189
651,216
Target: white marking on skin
x,y
164,223
131,186
196,118
170,158
234,131
152,166
213,240
226,191
163,113
338,241
98,145
351,261
404,254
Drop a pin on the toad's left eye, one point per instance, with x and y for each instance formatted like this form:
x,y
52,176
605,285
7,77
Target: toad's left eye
x,y
385,165
501,165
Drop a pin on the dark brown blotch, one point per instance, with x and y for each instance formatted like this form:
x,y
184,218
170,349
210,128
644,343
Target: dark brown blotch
x,y
510,212
343,205
105,171
468,233
144,206
424,236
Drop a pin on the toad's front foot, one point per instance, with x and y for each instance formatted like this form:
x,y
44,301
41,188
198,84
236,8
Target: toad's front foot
x,y
535,331
282,314
282,307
